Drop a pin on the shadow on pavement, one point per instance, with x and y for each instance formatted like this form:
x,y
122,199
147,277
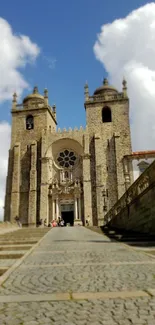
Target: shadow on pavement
x,y
128,237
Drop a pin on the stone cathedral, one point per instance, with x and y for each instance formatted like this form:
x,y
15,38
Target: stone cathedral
x,y
76,174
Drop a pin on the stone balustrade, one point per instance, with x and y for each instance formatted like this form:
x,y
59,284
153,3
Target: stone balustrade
x,y
135,210
110,97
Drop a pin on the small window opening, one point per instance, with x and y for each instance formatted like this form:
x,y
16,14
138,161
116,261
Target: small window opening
x,y
106,115
29,122
66,174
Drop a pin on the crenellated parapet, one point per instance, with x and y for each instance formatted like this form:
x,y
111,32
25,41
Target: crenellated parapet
x,y
70,130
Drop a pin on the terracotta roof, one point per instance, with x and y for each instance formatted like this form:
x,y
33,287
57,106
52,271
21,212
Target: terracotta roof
x,y
148,152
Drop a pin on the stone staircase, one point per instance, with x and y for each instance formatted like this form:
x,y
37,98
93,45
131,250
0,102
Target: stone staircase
x,y
15,244
129,237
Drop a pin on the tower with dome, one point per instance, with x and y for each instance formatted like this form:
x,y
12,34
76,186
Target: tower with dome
x,y
77,174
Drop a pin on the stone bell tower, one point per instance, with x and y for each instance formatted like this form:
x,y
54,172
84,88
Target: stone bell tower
x,y
107,117
25,190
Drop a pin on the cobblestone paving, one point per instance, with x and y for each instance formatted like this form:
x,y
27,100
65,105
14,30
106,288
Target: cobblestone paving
x,y
75,259
108,312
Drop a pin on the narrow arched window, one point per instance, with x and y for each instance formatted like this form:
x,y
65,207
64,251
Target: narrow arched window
x,y
106,115
29,122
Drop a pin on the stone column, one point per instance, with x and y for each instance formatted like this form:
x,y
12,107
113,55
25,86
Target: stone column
x,y
32,209
101,175
44,209
44,190
15,195
50,208
75,208
53,209
79,207
87,181
57,207
119,165
126,173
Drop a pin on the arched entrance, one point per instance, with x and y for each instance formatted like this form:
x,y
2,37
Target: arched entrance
x,y
65,201
67,212
65,190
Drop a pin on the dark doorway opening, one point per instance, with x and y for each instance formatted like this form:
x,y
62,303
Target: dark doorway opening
x,y
68,217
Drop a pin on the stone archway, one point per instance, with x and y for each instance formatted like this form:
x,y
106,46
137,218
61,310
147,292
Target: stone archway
x,y
65,185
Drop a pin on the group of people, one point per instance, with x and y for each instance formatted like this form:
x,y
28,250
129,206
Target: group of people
x,y
53,223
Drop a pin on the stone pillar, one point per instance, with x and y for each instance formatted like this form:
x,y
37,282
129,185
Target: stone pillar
x,y
57,208
87,195
32,208
79,208
53,209
101,173
119,166
75,208
126,173
50,208
15,195
7,209
44,209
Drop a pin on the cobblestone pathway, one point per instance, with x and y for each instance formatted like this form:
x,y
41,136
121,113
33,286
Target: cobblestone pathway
x,y
78,277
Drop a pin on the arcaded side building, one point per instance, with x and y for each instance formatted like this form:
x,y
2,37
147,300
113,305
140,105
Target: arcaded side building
x,y
77,174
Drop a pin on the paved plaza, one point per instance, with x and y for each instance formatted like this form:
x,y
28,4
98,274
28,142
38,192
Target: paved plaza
x,y
78,277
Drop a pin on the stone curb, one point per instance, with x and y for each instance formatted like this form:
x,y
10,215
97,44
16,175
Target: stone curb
x,y
86,264
32,298
4,277
66,296
108,295
151,292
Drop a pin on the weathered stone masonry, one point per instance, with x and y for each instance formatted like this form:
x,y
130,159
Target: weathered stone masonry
x,y
78,174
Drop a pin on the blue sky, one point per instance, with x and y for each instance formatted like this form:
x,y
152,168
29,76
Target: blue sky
x,y
66,32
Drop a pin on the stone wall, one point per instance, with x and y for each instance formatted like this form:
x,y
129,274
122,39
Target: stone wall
x,y
135,210
109,143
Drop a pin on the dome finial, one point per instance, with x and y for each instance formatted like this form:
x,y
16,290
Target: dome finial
x,y
86,91
46,97
124,83
14,101
14,98
105,82
35,90
54,110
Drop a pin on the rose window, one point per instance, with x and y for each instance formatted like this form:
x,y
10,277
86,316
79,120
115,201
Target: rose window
x,y
66,158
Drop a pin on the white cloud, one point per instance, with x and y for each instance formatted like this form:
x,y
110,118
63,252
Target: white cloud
x,y
5,131
16,51
126,47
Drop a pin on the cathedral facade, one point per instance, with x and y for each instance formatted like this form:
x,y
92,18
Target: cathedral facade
x,y
76,174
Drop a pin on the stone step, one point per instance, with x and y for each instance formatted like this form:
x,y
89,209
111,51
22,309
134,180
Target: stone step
x,y
16,242
3,270
7,262
11,255
14,248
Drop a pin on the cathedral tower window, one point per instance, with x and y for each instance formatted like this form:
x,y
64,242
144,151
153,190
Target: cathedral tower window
x,y
106,115
29,122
